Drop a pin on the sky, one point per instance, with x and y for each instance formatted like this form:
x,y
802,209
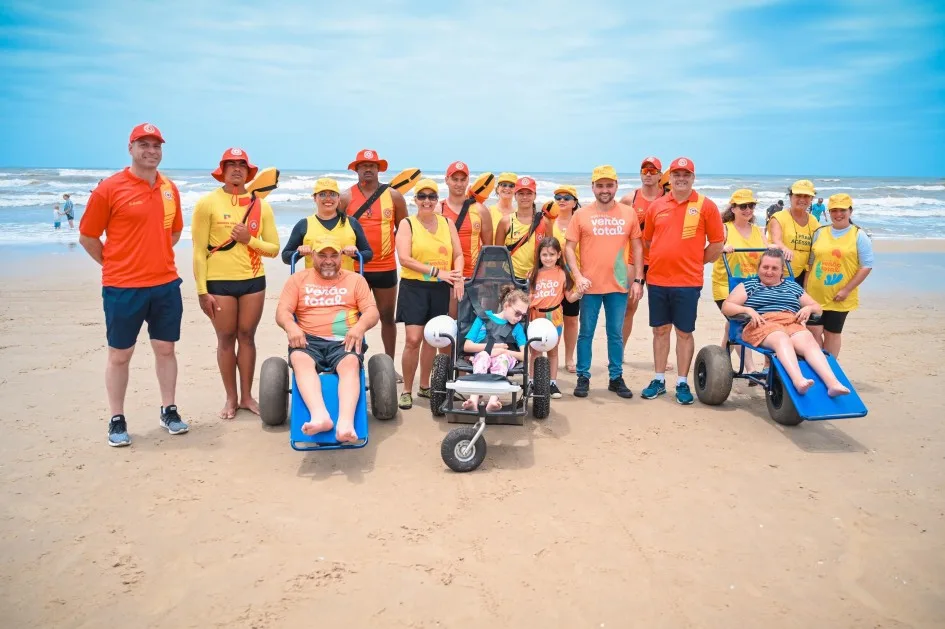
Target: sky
x,y
820,88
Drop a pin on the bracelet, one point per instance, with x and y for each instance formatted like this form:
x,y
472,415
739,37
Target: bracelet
x,y
434,271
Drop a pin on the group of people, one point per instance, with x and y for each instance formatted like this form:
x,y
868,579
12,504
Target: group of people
x,y
575,260
67,210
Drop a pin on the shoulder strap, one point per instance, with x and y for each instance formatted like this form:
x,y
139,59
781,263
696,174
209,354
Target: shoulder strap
x,y
468,203
230,243
633,202
370,200
536,221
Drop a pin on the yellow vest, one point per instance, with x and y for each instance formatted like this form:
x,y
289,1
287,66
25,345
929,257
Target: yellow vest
x,y
497,216
741,264
426,248
523,260
836,261
796,237
316,231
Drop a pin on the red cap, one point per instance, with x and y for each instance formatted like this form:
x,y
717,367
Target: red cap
x,y
235,155
526,183
145,130
652,160
683,163
457,167
367,155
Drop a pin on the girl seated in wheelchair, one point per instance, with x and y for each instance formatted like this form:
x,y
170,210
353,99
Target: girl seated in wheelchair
x,y
498,342
550,284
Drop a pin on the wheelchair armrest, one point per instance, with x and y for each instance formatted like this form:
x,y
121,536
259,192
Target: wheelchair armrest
x,y
740,318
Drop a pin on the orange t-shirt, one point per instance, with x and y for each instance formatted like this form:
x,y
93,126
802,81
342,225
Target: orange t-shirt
x,y
641,204
469,234
604,237
548,293
137,220
326,308
378,225
678,233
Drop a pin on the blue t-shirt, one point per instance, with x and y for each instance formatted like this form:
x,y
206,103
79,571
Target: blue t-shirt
x,y
477,333
817,209
67,207
864,247
783,297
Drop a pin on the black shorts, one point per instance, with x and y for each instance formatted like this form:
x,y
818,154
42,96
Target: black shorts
x,y
571,309
676,305
419,301
126,310
719,302
833,321
381,279
327,354
236,288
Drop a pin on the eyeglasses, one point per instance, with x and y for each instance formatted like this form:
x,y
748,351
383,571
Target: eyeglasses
x,y
518,314
506,184
326,194
745,206
649,171
563,197
422,196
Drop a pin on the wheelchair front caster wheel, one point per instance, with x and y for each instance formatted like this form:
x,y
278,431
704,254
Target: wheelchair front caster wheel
x,y
459,452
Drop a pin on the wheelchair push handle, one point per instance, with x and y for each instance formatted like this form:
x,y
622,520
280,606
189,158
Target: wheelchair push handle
x,y
296,256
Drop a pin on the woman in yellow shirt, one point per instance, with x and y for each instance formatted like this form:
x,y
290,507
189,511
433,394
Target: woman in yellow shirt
x,y
232,230
523,229
792,230
431,271
504,187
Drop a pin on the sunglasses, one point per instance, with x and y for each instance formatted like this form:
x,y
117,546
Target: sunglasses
x,y
649,171
325,194
422,196
563,197
506,184
745,206
518,314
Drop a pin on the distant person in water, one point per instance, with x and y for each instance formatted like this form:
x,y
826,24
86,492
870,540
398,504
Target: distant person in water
x,y
67,209
818,210
774,207
57,217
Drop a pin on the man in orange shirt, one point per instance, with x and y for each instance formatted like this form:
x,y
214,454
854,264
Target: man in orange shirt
x,y
379,219
138,210
325,312
607,233
678,226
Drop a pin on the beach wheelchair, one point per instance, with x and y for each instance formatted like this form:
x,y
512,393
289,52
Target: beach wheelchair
x,y
279,398
714,375
464,448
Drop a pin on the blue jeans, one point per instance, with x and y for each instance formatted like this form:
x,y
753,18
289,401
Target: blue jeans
x,y
615,307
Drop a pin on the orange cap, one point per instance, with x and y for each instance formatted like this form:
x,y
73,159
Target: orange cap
x,y
367,155
145,130
457,167
526,183
683,163
652,160
235,155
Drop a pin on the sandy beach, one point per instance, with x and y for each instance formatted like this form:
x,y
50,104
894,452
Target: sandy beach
x,y
610,513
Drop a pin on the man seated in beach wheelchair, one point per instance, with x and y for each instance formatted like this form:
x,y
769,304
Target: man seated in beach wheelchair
x,y
491,343
325,311
768,313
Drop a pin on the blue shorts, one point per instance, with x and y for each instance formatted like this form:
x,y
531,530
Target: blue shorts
x,y
126,309
675,305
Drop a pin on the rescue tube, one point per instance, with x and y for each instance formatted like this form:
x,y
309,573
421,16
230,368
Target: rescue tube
x,y
482,187
405,180
265,182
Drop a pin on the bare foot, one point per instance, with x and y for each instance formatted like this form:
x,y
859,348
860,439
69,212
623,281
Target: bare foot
x,y
345,433
229,410
469,405
571,367
250,404
493,405
802,386
837,390
316,426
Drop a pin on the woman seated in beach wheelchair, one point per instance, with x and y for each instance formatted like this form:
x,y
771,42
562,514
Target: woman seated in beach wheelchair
x,y
768,313
326,311
489,345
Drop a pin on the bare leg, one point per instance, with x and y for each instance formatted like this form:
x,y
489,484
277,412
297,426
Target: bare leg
x,y
386,299
570,342
784,349
349,383
116,378
250,311
817,331
225,324
661,347
832,343
165,364
427,352
805,345
685,348
628,320
310,388
411,355
553,359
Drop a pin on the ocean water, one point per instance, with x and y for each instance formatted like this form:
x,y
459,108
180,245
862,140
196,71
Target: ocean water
x,y
889,208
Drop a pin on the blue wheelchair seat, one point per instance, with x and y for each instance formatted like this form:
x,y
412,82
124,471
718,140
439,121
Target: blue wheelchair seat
x,y
326,440
816,404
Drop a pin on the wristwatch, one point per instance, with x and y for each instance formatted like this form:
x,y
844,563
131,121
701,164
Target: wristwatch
x,y
637,281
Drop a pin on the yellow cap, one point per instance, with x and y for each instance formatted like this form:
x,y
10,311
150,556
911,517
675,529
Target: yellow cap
x,y
840,201
567,190
507,178
743,195
803,186
327,242
426,184
604,172
326,183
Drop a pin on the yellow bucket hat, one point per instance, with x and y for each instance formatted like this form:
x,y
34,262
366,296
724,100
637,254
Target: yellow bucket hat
x,y
426,184
325,183
803,186
507,178
743,195
567,190
840,201
604,172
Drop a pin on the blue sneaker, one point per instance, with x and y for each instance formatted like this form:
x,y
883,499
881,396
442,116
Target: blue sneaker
x,y
171,420
683,394
118,432
654,389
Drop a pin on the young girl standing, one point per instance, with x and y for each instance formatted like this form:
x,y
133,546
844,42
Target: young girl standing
x,y
550,285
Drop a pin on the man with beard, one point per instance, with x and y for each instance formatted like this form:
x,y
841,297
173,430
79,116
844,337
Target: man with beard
x,y
678,226
325,312
379,209
607,233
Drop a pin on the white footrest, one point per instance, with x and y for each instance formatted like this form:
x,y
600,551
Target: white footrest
x,y
484,388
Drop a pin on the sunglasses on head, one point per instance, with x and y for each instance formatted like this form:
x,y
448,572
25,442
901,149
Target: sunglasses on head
x,y
745,206
563,197
649,171
324,194
427,196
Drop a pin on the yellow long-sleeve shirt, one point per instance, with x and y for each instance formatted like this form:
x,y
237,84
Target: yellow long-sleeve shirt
x,y
214,217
